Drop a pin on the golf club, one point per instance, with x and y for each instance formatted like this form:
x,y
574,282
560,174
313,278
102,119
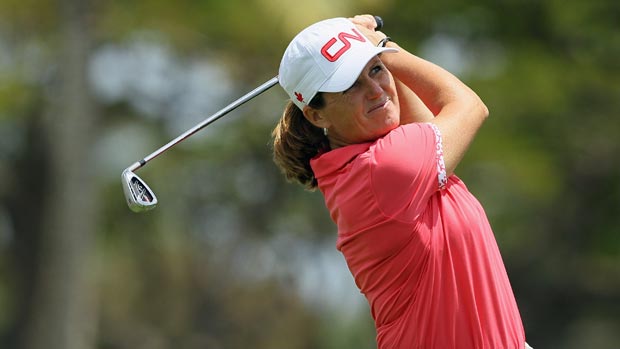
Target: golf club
x,y
138,194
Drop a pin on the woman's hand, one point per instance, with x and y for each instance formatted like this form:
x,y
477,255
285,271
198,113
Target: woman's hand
x,y
367,25
367,21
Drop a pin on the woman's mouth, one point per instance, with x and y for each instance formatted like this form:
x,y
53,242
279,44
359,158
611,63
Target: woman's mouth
x,y
379,106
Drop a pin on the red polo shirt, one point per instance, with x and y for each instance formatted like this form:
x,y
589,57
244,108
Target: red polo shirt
x,y
419,245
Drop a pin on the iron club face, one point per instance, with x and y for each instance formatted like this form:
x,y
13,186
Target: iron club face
x,y
139,196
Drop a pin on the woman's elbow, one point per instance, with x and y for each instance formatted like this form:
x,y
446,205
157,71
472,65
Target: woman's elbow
x,y
484,110
480,109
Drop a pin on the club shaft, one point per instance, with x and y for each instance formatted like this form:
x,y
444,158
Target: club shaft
x,y
232,106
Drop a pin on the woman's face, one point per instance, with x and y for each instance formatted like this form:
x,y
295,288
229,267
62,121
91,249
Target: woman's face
x,y
366,111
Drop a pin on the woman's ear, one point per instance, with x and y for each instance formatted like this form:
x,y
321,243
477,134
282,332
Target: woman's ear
x,y
315,117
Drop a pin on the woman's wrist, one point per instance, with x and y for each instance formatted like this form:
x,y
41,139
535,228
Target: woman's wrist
x,y
383,42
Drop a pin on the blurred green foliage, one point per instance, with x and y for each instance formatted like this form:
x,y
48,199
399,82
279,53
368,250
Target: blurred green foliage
x,y
224,261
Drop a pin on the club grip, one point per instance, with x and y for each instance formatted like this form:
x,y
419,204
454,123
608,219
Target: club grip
x,y
379,21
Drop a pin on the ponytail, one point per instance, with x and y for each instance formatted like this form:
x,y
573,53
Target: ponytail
x,y
295,142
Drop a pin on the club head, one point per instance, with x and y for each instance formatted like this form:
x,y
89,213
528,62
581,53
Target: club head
x,y
139,196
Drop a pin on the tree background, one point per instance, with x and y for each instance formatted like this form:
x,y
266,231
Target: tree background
x,y
234,256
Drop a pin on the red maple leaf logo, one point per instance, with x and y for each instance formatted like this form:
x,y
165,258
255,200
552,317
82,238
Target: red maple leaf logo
x,y
299,96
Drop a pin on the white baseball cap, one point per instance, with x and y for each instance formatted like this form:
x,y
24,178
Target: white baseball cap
x,y
327,56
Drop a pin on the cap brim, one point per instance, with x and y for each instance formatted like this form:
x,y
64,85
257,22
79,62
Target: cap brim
x,y
347,73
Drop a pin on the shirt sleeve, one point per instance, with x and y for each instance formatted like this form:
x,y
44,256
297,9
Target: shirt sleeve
x,y
407,168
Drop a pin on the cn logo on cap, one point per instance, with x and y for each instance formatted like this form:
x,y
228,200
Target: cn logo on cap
x,y
344,39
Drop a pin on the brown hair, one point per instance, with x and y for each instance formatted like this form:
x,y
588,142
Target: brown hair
x,y
296,141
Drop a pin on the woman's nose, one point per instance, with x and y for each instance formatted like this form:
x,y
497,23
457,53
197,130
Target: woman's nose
x,y
373,89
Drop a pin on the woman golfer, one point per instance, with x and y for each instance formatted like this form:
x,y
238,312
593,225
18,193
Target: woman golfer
x,y
380,132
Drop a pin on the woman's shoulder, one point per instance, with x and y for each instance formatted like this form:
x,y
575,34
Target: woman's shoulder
x,y
334,160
